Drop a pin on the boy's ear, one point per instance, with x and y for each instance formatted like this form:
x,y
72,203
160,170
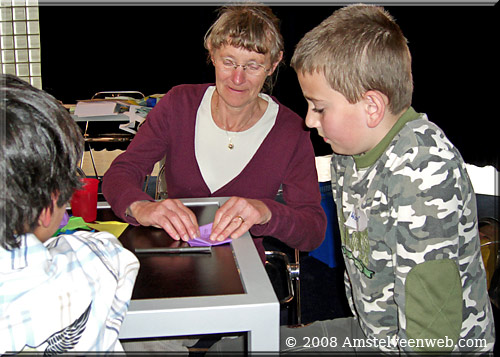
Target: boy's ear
x,y
376,105
45,217
46,221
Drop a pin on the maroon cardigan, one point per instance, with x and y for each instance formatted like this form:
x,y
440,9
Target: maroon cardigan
x,y
285,157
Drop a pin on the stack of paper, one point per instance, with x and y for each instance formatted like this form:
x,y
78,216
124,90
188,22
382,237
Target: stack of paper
x,y
71,224
97,108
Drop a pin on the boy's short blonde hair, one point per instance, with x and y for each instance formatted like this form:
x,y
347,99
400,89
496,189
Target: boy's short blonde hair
x,y
252,27
359,48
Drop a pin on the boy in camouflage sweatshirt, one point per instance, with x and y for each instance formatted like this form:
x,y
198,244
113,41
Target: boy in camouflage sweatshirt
x,y
407,212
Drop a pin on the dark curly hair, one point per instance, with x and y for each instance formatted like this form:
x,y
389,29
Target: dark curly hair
x,y
40,145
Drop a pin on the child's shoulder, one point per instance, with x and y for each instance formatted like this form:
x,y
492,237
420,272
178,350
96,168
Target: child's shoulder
x,y
420,141
422,153
426,133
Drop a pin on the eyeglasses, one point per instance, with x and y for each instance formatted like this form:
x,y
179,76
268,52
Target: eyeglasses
x,y
251,68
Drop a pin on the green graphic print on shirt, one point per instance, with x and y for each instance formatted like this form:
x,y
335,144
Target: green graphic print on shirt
x,y
358,242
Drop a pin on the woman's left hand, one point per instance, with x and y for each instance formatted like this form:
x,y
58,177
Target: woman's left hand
x,y
237,216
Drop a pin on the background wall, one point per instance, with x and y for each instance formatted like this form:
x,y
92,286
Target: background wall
x,y
86,49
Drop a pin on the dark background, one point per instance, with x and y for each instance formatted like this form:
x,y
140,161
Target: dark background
x,y
87,49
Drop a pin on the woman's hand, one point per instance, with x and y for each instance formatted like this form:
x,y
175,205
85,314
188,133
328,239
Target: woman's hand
x,y
171,215
237,216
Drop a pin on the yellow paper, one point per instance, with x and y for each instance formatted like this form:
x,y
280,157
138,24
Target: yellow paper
x,y
113,227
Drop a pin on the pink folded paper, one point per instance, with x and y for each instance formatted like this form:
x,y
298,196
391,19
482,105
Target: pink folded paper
x,y
204,239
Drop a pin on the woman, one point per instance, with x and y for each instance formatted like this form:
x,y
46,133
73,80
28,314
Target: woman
x,y
227,139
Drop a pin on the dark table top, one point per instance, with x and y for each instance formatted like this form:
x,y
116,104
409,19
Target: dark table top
x,y
179,275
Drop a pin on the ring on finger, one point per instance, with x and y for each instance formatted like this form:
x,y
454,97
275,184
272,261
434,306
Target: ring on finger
x,y
241,219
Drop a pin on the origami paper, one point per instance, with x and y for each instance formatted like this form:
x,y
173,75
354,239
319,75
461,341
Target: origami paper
x,y
204,238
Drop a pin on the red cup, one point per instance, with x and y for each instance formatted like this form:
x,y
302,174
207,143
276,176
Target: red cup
x,y
84,201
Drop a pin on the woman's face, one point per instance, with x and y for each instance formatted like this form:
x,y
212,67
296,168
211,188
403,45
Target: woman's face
x,y
236,86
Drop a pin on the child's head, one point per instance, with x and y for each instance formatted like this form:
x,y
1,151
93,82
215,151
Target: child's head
x,y
359,48
39,153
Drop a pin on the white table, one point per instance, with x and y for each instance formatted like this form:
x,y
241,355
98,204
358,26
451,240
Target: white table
x,y
256,311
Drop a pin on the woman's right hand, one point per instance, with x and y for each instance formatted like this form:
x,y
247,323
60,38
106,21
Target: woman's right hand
x,y
170,214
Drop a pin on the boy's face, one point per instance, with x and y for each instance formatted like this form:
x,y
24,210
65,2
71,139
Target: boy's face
x,y
340,123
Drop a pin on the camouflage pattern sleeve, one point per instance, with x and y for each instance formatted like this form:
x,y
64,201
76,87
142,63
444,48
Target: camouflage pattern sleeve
x,y
439,276
408,225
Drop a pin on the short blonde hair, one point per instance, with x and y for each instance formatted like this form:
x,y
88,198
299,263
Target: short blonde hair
x,y
252,27
359,48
